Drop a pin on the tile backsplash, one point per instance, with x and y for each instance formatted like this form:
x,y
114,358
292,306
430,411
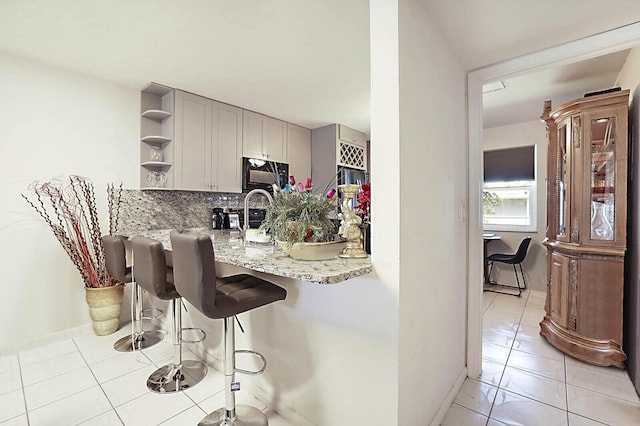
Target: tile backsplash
x,y
143,210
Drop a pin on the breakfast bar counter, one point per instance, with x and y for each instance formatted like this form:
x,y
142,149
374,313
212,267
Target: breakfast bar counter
x,y
230,248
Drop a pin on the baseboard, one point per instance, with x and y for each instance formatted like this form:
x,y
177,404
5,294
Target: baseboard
x,y
274,404
451,396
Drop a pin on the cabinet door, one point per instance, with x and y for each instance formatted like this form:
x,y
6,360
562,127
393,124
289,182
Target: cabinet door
x,y
253,130
226,145
350,135
264,137
299,151
559,289
193,156
605,178
275,140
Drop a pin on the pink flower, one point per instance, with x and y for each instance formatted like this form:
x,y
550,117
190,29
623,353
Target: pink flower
x,y
292,180
301,187
308,183
331,193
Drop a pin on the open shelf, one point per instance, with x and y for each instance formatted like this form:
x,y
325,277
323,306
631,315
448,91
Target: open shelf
x,y
155,140
156,114
154,164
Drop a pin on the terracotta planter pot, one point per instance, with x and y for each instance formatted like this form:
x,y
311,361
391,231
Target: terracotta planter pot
x,y
104,308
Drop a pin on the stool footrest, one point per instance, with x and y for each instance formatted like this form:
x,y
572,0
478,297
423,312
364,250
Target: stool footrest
x,y
204,335
151,313
249,372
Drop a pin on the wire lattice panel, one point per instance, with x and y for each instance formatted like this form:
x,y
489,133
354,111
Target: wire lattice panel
x,y
352,156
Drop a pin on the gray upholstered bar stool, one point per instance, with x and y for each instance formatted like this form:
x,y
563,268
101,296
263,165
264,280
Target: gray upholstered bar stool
x,y
221,298
152,273
116,261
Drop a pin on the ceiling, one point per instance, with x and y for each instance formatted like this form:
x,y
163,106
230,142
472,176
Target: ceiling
x,y
523,96
303,61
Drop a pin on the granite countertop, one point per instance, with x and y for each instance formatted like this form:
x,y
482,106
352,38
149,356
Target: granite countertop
x,y
271,259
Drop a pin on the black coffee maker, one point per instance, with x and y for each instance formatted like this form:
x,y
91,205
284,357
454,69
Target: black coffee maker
x,y
217,219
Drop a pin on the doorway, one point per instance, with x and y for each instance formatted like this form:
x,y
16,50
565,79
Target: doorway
x,y
600,44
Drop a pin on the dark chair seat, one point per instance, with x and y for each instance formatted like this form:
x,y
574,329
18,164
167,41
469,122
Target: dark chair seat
x,y
240,293
504,258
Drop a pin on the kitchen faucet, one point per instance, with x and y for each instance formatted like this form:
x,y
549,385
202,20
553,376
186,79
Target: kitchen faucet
x,y
246,205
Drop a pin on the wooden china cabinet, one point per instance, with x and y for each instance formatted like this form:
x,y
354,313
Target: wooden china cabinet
x,y
586,226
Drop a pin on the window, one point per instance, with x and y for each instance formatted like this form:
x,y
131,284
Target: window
x,y
509,202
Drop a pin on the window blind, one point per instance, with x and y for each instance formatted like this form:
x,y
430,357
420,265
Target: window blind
x,y
511,164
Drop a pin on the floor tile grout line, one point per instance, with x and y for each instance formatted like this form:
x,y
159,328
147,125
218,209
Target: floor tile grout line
x,y
100,385
52,377
470,409
534,373
504,367
508,356
17,354
24,395
637,404
566,385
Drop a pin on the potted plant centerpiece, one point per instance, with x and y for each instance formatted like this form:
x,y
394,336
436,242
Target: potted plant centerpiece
x,y
68,206
300,221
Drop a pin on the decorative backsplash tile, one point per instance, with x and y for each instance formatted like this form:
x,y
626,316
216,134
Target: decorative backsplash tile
x,y
149,210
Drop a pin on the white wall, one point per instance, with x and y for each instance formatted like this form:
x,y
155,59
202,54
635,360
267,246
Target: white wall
x,y
629,76
535,264
433,228
53,122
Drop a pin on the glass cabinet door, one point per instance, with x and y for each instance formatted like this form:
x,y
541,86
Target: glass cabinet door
x,y
602,157
562,180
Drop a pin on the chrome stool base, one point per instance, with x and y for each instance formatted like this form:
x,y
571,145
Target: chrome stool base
x,y
171,379
143,341
246,415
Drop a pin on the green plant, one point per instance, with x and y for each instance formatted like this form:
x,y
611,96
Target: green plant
x,y
297,215
490,200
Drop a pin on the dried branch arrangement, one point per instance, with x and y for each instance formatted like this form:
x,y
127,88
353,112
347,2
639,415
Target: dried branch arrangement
x,y
69,208
114,196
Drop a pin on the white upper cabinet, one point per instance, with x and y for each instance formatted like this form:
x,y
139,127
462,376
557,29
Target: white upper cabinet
x,y
208,142
264,137
350,135
299,151
227,147
192,169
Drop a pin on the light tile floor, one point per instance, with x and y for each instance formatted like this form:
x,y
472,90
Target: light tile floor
x,y
84,381
526,381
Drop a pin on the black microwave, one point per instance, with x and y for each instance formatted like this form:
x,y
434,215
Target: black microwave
x,y
262,174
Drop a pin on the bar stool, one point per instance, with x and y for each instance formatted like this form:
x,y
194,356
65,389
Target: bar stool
x,y
153,274
116,262
221,298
